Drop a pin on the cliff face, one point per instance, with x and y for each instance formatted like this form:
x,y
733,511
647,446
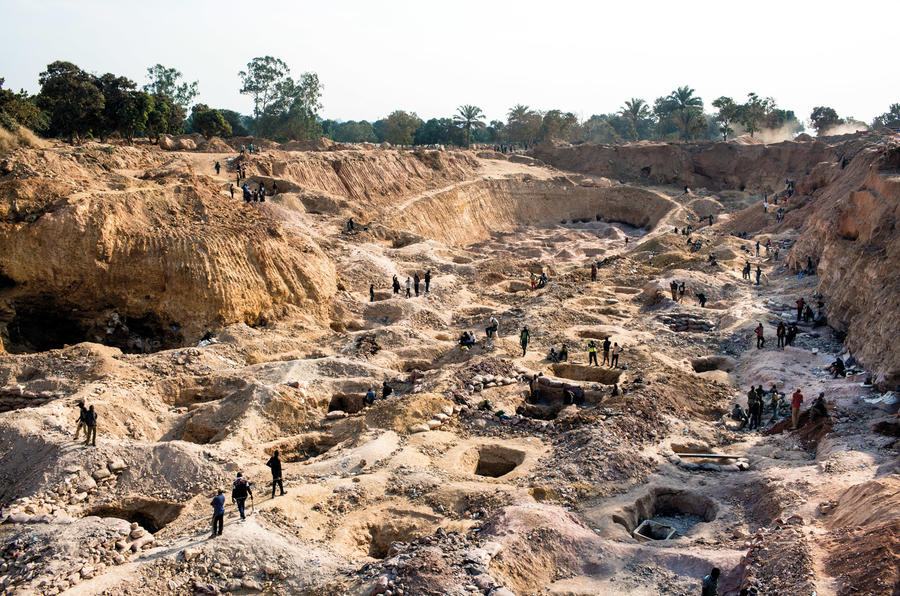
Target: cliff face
x,y
715,166
470,212
851,228
141,263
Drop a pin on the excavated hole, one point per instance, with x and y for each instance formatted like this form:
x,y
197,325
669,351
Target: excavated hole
x,y
493,461
672,507
592,374
708,363
400,526
302,448
152,515
40,324
346,402
12,400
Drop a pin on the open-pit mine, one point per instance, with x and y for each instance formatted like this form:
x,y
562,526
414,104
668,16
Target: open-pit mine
x,y
209,332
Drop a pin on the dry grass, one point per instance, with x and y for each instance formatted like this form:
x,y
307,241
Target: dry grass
x,y
21,137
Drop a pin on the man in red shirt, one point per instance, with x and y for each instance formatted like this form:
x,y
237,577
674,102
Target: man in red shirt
x,y
760,340
795,408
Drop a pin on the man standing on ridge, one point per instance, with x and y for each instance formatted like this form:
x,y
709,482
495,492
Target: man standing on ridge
x,y
275,465
592,353
240,490
416,282
616,350
760,340
796,401
90,422
428,281
606,345
524,336
218,518
82,419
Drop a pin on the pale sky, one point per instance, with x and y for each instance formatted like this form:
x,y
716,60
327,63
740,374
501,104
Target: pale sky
x,y
431,56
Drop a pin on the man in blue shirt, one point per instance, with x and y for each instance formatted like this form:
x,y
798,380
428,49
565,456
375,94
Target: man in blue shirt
x,y
218,521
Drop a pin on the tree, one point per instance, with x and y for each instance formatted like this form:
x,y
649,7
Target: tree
x,y
282,107
753,113
635,109
686,111
164,81
71,98
497,132
237,122
822,118
728,111
209,122
523,124
439,131
890,119
17,109
263,80
165,117
558,125
602,128
469,117
399,127
126,110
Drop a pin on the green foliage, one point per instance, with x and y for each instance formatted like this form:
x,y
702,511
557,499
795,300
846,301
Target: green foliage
x,y
496,132
753,113
237,122
523,125
822,118
19,109
125,109
684,110
283,108
400,126
468,117
440,131
209,122
558,125
890,119
728,112
109,149
72,100
350,131
635,110
165,117
165,81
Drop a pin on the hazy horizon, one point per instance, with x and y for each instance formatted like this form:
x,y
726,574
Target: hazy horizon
x,y
429,58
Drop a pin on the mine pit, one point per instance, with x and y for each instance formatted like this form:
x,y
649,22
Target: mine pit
x,y
304,447
709,363
152,515
591,374
677,509
493,461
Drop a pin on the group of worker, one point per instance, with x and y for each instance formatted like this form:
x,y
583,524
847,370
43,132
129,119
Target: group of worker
x,y
241,490
751,418
412,284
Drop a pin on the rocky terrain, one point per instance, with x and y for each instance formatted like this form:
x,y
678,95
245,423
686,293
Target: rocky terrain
x,y
209,332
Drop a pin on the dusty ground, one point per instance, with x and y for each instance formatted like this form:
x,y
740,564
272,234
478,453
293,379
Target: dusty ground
x,y
458,483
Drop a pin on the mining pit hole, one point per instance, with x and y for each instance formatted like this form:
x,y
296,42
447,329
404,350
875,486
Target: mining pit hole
x,y
493,461
40,324
153,515
403,527
592,374
677,509
708,363
304,447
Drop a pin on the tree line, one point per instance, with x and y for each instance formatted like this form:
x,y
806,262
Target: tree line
x,y
76,104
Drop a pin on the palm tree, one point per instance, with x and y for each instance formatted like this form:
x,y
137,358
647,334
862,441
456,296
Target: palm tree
x,y
469,117
687,108
635,110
